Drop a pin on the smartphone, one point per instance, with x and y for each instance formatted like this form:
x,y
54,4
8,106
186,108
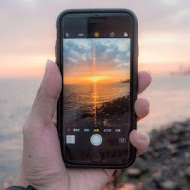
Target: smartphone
x,y
97,54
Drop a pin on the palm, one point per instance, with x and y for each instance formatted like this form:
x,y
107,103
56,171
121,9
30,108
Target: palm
x,y
85,179
46,150
81,179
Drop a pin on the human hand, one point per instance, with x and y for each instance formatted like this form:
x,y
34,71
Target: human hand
x,y
42,165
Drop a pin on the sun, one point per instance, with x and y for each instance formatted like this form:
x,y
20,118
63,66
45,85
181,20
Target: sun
x,y
97,78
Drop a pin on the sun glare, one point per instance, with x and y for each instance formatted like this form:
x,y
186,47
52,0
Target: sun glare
x,y
97,78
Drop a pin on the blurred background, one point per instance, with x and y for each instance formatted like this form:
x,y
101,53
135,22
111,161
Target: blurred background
x,y
27,40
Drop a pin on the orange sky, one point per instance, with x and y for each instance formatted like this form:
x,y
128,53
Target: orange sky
x,y
28,34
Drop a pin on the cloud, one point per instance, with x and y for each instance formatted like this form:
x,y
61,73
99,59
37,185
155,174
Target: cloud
x,y
77,51
109,53
28,27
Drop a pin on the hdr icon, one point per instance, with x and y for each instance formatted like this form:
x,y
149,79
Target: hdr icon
x,y
122,140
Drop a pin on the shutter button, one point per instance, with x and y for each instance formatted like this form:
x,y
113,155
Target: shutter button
x,y
96,139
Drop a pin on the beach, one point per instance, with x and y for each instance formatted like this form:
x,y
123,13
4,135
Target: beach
x,y
164,166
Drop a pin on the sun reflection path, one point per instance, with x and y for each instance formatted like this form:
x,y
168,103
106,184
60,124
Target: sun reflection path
x,y
94,79
94,96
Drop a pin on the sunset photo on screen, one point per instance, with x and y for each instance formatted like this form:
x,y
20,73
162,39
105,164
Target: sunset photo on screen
x,y
96,79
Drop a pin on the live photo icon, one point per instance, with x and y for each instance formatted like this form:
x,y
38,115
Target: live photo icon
x,y
122,140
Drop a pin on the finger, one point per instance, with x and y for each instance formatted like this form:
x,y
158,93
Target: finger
x,y
45,103
109,172
139,140
142,108
54,120
144,80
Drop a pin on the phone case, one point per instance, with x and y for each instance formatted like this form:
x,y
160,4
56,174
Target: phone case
x,y
134,78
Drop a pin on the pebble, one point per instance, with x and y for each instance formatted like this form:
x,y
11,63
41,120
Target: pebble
x,y
173,149
187,172
134,172
166,164
169,185
128,186
142,165
108,187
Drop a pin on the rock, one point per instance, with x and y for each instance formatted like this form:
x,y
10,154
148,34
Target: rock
x,y
165,165
128,186
169,185
187,172
158,179
181,174
174,139
142,165
156,154
108,187
159,146
134,172
173,149
183,144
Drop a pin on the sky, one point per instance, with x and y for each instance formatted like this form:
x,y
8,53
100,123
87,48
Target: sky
x,y
96,60
28,33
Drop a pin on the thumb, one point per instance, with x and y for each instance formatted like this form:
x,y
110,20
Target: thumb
x,y
45,103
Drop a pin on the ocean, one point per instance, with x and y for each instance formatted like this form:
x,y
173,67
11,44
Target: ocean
x,y
89,97
169,98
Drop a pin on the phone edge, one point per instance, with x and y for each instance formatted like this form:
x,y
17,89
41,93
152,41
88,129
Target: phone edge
x,y
134,79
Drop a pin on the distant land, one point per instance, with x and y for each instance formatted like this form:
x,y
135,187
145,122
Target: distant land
x,y
181,71
124,81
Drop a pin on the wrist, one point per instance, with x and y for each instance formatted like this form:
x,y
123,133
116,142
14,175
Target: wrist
x,y
39,184
19,181
21,188
22,183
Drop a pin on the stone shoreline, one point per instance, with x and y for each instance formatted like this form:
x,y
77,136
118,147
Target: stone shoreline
x,y
165,165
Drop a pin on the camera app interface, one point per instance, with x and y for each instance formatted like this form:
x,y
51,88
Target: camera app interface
x,y
96,94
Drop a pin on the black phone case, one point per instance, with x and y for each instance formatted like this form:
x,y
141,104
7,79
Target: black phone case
x,y
134,79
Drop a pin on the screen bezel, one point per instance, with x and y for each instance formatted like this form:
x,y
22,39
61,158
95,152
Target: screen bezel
x,y
133,85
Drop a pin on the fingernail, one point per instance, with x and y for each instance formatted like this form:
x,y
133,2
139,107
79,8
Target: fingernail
x,y
48,63
141,136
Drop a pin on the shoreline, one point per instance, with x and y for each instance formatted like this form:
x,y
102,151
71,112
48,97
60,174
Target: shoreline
x,y
108,114
164,166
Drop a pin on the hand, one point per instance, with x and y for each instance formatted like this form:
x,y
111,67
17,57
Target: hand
x,y
42,165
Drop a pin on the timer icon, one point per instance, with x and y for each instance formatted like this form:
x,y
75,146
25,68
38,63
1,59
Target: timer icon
x,y
112,34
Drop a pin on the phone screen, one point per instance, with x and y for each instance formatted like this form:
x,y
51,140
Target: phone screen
x,y
96,87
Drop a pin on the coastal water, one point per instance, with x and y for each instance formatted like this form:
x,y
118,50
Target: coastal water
x,y
88,97
169,98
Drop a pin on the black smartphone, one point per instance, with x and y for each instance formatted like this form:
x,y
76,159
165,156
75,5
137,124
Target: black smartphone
x,y
97,53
